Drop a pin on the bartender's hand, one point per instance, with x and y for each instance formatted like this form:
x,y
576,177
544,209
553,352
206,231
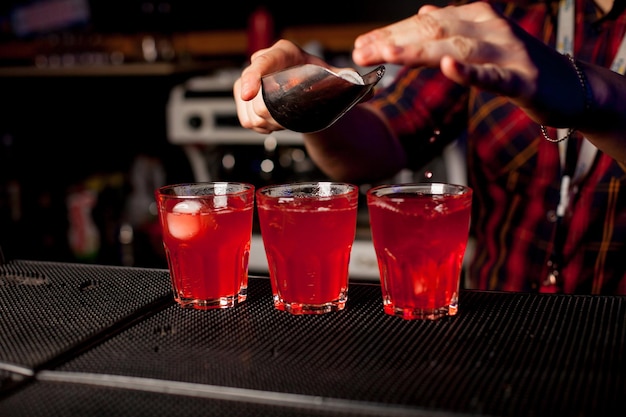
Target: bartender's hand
x,y
474,45
251,108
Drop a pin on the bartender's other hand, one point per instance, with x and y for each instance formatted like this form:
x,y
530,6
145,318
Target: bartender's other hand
x,y
251,109
474,45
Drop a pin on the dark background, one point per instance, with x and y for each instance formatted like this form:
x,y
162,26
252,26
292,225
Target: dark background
x,y
131,16
64,134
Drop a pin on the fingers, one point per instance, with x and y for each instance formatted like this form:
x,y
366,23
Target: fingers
x,y
424,38
251,109
486,76
253,114
265,61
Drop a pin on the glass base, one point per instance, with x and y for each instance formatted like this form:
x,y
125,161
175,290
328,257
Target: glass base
x,y
300,308
221,302
421,313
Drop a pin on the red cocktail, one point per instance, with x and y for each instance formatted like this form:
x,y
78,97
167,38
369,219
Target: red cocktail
x,y
206,235
308,230
420,232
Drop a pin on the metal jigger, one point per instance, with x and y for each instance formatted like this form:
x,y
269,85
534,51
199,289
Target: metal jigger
x,y
308,98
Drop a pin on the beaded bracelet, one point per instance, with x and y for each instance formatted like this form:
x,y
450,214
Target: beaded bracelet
x,y
588,98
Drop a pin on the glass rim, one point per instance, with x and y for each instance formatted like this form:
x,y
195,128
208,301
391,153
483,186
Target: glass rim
x,y
434,188
170,190
350,188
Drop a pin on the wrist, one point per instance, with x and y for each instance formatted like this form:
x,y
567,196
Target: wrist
x,y
585,87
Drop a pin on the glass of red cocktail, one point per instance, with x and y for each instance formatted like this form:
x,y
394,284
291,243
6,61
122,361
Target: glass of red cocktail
x,y
308,230
207,228
420,232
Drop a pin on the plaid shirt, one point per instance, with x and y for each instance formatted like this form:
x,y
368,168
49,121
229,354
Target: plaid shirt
x,y
516,174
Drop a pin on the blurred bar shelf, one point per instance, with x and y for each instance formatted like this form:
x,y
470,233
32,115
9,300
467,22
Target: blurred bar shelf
x,y
157,69
194,51
112,70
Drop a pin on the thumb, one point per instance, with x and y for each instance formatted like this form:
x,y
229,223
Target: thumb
x,y
487,77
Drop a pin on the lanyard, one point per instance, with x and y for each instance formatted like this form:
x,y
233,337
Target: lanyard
x,y
565,45
571,175
587,153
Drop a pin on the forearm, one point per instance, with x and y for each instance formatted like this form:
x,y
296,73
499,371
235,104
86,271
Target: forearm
x,y
604,123
358,148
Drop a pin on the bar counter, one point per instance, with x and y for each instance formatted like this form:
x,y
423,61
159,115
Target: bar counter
x,y
93,340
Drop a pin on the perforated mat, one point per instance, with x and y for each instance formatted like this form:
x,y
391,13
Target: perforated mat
x,y
49,309
504,355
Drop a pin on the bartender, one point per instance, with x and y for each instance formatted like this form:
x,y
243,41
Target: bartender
x,y
537,90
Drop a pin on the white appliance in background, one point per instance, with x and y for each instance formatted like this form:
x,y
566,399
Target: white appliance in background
x,y
201,113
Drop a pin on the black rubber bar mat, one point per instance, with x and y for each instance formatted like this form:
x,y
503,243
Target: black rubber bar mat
x,y
68,399
503,355
49,310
